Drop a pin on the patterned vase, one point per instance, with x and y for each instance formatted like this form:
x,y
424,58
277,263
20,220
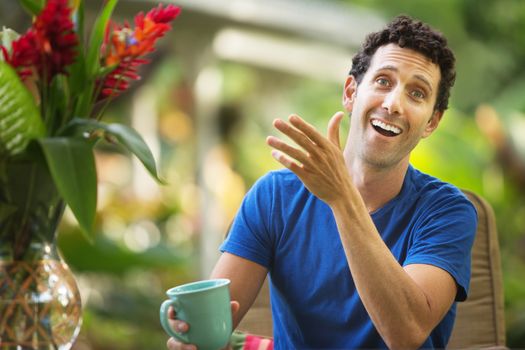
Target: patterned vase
x,y
40,304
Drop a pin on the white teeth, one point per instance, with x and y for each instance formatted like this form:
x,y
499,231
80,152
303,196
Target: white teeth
x,y
385,126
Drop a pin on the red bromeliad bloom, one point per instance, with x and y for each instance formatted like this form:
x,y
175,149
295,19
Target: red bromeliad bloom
x,y
23,54
49,45
125,47
56,38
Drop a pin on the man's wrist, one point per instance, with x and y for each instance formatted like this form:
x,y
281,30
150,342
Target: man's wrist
x,y
345,202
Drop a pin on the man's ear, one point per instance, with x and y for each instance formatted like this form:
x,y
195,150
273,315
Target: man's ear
x,y
349,92
433,123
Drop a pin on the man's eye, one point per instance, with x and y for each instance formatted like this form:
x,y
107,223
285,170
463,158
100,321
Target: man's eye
x,y
418,94
383,82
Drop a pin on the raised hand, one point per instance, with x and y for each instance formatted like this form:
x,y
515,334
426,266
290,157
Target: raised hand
x,y
319,163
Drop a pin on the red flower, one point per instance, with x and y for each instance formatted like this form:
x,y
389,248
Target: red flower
x,y
126,46
118,80
57,41
24,54
49,45
160,15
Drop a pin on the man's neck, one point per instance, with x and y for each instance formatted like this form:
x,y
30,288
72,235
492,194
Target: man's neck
x,y
377,186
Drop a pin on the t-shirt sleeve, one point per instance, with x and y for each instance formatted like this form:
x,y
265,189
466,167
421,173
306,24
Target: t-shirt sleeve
x,y
250,234
444,238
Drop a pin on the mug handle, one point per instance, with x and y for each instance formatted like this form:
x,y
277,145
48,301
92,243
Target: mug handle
x,y
164,320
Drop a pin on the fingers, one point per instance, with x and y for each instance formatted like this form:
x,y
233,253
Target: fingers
x,y
295,153
171,313
288,155
287,162
306,136
235,307
176,324
180,327
295,134
308,130
284,153
333,128
174,344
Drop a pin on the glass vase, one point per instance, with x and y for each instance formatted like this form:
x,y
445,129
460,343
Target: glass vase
x,y
40,305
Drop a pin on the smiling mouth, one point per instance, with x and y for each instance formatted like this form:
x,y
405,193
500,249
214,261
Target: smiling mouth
x,y
385,129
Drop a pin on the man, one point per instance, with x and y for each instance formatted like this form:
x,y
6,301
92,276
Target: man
x,y
362,250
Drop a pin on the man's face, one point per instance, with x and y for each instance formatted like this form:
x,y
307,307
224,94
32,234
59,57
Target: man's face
x,y
393,106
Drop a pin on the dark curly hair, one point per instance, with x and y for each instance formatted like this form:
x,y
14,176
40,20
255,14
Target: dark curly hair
x,y
418,36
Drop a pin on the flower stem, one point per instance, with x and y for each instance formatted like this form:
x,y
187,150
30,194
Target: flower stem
x,y
21,245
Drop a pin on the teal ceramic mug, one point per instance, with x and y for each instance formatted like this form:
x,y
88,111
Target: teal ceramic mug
x,y
205,306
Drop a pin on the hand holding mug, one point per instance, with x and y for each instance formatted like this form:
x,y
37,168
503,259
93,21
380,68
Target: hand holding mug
x,y
203,309
183,327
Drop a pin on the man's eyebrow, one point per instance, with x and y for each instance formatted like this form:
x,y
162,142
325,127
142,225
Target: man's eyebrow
x,y
419,77
425,81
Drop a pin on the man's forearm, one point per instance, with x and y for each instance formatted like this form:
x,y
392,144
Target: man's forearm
x,y
398,307
246,279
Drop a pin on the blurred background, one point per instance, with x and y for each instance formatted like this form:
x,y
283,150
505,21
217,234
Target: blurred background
x,y
205,106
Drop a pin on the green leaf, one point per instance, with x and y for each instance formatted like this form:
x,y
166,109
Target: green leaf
x,y
103,71
77,71
132,140
97,37
57,104
6,210
125,135
20,119
78,20
34,7
93,58
72,166
77,79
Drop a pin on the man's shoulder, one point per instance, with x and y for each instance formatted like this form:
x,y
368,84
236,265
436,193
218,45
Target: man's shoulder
x,y
281,178
426,184
433,190
284,189
283,174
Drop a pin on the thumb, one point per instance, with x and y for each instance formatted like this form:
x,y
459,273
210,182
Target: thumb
x,y
235,306
333,128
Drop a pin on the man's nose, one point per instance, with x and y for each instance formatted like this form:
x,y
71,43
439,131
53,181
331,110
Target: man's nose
x,y
393,101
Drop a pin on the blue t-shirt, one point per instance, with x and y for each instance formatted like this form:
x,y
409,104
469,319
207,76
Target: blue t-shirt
x,y
283,227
